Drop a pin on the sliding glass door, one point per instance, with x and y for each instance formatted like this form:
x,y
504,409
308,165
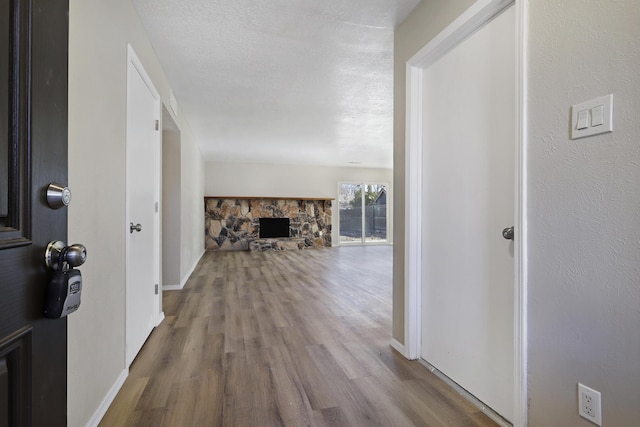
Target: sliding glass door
x,y
375,213
363,213
350,213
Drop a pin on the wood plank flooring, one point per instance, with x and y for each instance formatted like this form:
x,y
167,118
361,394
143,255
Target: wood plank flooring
x,y
295,338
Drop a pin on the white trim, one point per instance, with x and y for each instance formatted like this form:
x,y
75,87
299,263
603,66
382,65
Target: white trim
x,y
395,344
108,399
173,287
192,269
413,212
157,224
134,61
186,277
520,395
160,318
474,18
479,14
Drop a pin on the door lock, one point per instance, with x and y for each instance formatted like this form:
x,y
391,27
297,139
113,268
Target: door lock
x,y
65,286
57,254
58,196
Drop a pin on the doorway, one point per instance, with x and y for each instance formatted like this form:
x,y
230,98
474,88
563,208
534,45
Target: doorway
x,y
445,205
143,310
171,203
467,282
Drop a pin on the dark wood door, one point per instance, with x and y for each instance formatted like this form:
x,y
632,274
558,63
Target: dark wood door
x,y
33,153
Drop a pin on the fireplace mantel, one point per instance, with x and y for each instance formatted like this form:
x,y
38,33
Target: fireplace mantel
x,y
271,198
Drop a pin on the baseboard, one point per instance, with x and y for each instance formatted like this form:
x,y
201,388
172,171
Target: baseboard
x,y
159,318
185,278
193,268
497,418
395,344
108,399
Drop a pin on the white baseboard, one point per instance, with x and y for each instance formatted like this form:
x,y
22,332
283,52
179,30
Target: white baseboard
x,y
159,318
185,278
395,344
193,267
108,399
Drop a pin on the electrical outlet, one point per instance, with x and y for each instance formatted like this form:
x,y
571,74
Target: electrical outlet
x,y
589,404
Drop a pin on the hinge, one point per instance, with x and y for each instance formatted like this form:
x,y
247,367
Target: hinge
x,y
156,289
157,124
156,207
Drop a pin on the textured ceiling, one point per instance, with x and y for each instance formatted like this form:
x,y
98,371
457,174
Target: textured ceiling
x,y
282,81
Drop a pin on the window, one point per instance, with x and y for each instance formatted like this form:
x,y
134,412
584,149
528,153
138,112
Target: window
x,y
363,213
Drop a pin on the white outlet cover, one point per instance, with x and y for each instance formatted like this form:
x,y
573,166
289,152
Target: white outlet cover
x,y
585,393
603,111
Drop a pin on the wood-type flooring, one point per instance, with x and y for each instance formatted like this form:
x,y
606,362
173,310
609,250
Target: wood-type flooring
x,y
292,338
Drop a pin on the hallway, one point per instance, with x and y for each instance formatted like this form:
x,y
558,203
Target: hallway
x,y
295,338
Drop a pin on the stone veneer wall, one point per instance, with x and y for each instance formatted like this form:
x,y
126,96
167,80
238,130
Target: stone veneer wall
x,y
233,223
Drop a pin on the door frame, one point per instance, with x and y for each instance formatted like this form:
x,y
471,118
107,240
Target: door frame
x,y
479,14
134,63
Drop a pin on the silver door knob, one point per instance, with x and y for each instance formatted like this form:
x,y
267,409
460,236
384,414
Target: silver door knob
x,y
57,254
136,227
507,233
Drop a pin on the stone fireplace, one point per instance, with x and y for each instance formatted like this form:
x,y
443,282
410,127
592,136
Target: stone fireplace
x,y
233,223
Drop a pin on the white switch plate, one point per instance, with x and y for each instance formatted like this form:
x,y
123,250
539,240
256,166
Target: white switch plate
x,y
607,117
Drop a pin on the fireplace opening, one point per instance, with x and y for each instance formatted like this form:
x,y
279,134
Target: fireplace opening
x,y
274,227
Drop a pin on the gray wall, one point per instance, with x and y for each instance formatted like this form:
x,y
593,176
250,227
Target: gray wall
x,y
583,204
584,212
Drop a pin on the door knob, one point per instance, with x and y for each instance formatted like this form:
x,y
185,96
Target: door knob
x,y
136,227
57,254
507,233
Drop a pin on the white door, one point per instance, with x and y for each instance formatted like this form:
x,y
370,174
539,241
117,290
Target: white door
x,y
143,110
468,185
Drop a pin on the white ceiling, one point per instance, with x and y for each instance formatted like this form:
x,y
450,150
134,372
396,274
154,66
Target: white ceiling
x,y
282,81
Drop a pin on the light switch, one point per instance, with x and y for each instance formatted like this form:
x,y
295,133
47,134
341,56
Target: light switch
x,y
597,115
583,119
592,117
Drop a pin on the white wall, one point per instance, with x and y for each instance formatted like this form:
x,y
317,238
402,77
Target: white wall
x,y
249,179
192,208
99,32
584,213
